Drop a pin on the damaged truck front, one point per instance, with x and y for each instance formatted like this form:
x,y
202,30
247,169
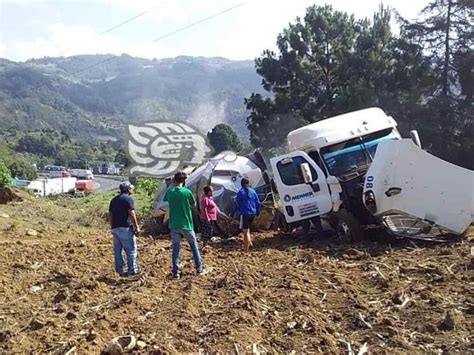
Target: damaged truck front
x,y
356,170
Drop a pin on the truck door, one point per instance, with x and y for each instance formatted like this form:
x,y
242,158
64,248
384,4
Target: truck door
x,y
405,179
300,200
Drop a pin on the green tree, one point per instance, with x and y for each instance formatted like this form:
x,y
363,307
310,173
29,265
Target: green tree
x,y
305,77
21,168
329,63
222,137
445,30
122,157
318,73
5,176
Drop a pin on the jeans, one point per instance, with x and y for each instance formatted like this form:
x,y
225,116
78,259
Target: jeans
x,y
124,239
317,225
176,235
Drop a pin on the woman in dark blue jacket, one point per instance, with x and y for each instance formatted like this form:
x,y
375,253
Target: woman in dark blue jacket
x,y
248,206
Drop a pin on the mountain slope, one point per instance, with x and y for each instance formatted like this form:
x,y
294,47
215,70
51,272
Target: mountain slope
x,y
97,95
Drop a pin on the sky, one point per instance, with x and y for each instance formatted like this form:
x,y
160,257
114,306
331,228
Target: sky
x,y
39,28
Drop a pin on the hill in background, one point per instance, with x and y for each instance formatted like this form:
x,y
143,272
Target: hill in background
x,y
88,100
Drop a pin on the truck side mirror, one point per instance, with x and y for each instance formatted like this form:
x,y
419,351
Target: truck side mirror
x,y
415,138
306,173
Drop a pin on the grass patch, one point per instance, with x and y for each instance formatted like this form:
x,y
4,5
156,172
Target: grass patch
x,y
96,205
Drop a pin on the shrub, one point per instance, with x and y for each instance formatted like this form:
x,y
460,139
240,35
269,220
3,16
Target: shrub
x,y
5,175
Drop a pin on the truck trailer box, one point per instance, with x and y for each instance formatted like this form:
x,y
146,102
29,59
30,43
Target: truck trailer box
x,y
84,185
46,187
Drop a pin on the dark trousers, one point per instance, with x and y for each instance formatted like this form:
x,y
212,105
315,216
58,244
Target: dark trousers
x,y
317,225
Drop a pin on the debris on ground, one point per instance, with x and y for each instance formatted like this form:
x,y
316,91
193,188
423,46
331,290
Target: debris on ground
x,y
31,232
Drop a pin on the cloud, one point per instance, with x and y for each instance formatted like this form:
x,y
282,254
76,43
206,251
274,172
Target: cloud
x,y
242,33
80,39
3,50
179,11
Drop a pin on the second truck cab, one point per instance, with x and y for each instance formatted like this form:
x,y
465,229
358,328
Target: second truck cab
x,y
325,170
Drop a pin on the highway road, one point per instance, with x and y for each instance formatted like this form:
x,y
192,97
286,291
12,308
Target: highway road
x,y
104,184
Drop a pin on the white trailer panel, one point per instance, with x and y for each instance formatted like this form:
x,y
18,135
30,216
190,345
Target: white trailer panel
x,y
406,179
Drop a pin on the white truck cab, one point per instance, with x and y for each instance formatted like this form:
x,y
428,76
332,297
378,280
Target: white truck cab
x,y
326,172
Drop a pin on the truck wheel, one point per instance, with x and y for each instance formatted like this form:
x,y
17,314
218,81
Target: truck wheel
x,y
348,228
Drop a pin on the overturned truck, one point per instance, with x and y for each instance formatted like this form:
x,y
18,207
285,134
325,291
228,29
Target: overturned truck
x,y
355,171
224,173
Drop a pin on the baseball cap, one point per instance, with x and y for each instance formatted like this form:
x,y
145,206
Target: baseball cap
x,y
126,186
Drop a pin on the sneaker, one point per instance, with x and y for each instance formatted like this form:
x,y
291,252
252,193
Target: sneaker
x,y
203,272
215,240
123,274
176,276
134,273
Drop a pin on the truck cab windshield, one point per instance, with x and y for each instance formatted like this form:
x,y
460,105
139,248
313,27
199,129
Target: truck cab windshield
x,y
354,155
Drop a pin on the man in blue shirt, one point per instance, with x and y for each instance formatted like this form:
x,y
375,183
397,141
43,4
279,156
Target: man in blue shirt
x,y
123,221
248,206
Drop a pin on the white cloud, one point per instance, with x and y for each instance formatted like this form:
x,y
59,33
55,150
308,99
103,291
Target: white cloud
x,y
78,39
238,34
3,50
177,10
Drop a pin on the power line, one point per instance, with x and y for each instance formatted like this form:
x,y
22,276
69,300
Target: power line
x,y
198,22
118,25
160,38
103,32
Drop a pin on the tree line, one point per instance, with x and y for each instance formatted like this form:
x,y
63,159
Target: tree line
x,y
24,152
329,63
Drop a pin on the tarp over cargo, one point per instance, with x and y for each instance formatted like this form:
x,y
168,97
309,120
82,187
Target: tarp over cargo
x,y
224,173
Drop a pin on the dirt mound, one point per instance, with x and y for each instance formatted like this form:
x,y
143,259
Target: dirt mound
x,y
8,194
284,296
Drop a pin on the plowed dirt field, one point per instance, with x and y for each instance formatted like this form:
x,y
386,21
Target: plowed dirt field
x,y
59,293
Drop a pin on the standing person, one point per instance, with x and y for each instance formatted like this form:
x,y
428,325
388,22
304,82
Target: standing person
x,y
248,206
208,215
181,201
123,221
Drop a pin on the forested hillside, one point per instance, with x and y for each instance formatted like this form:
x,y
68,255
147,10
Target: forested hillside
x,y
94,96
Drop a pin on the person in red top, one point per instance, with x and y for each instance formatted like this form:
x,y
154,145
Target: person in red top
x,y
208,215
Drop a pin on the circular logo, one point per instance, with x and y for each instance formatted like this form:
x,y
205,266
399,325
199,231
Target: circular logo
x,y
287,198
163,148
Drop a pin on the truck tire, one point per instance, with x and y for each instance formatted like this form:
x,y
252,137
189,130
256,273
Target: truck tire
x,y
348,228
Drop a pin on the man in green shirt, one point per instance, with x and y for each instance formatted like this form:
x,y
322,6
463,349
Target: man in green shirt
x,y
181,201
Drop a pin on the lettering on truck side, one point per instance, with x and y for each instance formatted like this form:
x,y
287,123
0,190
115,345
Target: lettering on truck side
x,y
370,182
300,196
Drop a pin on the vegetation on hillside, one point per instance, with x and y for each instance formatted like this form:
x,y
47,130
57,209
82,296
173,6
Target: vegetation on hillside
x,y
97,103
97,204
46,146
5,175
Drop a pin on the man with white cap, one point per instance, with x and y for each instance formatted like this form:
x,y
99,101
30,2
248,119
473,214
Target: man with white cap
x,y
124,224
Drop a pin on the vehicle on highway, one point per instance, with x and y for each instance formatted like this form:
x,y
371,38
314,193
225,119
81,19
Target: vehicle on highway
x,y
52,186
83,174
55,171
